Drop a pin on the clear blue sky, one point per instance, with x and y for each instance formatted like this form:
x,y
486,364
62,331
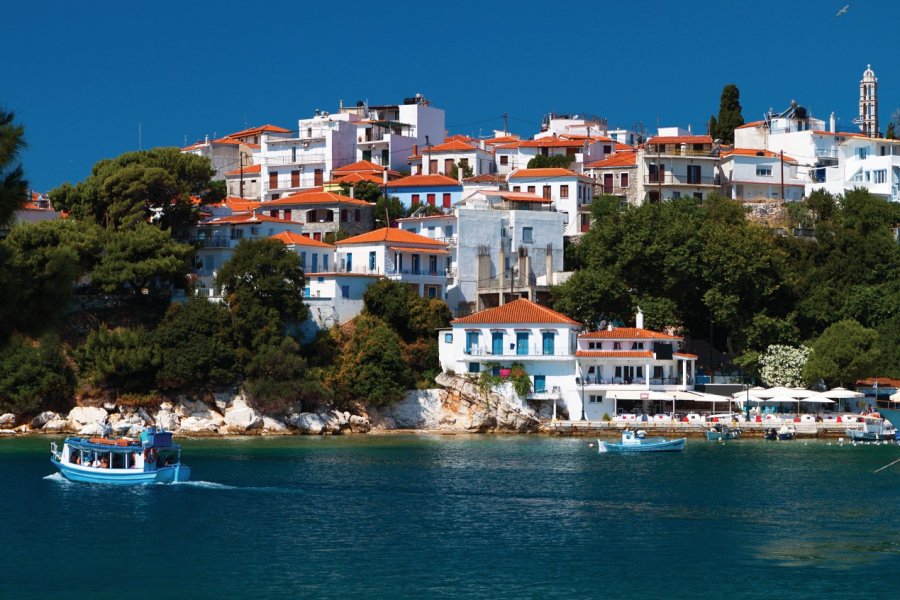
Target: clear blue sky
x,y
82,76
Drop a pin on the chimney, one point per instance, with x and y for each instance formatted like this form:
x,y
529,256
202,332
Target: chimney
x,y
415,149
639,319
384,175
206,139
610,327
548,264
831,124
353,191
459,173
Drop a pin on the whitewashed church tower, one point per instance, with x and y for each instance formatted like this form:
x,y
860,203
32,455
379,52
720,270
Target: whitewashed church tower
x,y
868,103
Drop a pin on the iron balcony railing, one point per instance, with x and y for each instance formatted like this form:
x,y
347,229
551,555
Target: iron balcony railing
x,y
669,178
529,351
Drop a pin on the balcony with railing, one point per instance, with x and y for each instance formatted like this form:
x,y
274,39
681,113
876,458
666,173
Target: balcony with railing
x,y
592,382
530,351
684,179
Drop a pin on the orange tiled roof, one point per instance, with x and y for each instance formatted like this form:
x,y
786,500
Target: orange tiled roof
x,y
485,178
35,203
351,178
686,355
883,381
845,133
237,204
681,139
258,130
314,197
517,311
391,235
458,138
226,141
248,170
628,333
423,181
359,166
296,239
548,173
503,139
751,124
619,159
754,152
614,353
451,146
556,142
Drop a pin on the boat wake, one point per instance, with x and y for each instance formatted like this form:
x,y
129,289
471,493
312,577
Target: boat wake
x,y
206,485
58,478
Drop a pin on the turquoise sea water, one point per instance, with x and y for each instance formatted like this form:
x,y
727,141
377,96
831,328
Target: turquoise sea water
x,y
459,516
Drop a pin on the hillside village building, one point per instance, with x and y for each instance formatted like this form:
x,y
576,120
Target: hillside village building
x,y
570,193
676,165
747,174
573,374
863,162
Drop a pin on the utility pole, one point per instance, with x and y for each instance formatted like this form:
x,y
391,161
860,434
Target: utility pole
x,y
241,156
505,123
782,176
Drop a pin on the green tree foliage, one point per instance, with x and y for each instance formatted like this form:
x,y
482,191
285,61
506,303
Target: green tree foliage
x,y
137,186
730,116
119,360
712,127
366,191
545,162
196,346
142,257
891,131
13,186
277,380
38,276
844,353
372,368
392,206
263,283
466,171
34,375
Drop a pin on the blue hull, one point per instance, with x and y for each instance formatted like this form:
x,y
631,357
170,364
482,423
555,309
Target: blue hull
x,y
645,445
170,474
715,436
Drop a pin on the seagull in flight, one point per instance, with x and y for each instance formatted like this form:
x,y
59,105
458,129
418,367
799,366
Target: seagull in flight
x,y
843,11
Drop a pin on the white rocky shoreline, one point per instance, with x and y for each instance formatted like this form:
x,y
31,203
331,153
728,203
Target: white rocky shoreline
x,y
458,407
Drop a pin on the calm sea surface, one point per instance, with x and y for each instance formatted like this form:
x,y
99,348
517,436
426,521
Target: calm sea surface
x,y
459,516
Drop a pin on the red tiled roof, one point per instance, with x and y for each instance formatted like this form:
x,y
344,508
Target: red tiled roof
x,y
358,167
503,139
248,170
237,204
392,235
296,239
423,181
681,139
846,133
257,130
35,203
751,124
628,333
619,159
755,152
548,173
686,355
314,197
614,353
556,142
517,311
221,141
885,381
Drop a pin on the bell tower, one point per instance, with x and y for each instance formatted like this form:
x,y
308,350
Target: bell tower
x,y
868,103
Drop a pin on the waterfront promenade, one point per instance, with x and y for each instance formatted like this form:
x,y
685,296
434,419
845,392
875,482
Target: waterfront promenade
x,y
828,429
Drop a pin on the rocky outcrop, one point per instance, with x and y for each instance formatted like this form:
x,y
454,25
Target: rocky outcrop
x,y
7,421
87,420
43,418
459,406
240,417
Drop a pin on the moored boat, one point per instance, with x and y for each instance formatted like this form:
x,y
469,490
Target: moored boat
x,y
124,461
784,433
635,442
718,433
875,429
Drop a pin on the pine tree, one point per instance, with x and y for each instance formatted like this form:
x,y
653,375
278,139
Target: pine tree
x,y
13,186
891,135
712,127
729,113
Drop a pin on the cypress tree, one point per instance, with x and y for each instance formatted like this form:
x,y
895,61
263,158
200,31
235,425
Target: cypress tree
x,y
729,113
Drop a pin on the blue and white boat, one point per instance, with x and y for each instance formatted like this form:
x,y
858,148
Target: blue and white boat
x,y
636,442
720,433
123,461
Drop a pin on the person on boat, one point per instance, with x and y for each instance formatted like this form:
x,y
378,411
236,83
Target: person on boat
x,y
104,463
76,458
134,460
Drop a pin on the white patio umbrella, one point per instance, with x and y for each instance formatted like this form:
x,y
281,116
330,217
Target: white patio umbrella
x,y
782,391
895,397
817,399
840,393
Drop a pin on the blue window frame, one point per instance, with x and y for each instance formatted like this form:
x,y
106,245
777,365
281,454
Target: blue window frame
x,y
521,343
349,263
496,342
448,338
471,340
324,262
549,343
372,260
345,291
540,384
306,292
474,367
315,262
